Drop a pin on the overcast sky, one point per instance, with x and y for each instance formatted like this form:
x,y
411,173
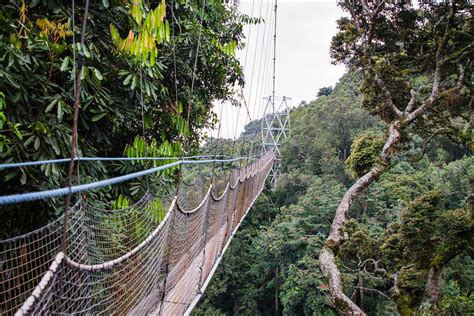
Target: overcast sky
x,y
303,65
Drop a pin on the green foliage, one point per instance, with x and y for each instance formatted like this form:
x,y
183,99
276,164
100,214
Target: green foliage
x,y
418,227
411,282
455,301
360,245
404,183
303,291
431,236
457,227
324,91
157,210
7,128
426,237
315,207
365,152
291,186
121,202
322,146
140,148
402,53
152,30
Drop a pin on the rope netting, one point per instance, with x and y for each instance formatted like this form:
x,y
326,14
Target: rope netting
x,y
151,258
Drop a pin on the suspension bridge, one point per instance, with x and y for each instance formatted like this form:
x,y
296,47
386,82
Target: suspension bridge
x,y
154,257
145,259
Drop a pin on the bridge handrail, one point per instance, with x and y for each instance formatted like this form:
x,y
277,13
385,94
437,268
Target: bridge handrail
x,y
33,196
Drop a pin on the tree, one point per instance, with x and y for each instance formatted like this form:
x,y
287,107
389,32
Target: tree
x,y
426,238
417,76
323,147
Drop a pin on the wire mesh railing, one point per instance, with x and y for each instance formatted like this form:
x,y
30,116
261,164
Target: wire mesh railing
x,y
143,259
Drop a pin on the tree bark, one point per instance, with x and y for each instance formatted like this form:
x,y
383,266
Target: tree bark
x,y
360,288
339,300
471,123
327,262
433,288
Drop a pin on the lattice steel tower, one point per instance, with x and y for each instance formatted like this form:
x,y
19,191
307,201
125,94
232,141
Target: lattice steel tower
x,y
276,118
275,128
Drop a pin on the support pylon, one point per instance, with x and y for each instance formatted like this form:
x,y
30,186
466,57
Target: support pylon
x,y
275,128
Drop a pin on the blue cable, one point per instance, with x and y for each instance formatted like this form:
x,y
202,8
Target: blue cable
x,y
62,160
33,163
33,196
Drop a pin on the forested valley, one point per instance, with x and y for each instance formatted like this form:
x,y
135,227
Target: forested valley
x,y
403,223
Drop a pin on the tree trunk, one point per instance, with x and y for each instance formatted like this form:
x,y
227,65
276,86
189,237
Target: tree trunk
x,y
277,312
327,262
433,287
360,287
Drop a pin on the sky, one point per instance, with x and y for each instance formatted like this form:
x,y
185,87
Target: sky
x,y
303,64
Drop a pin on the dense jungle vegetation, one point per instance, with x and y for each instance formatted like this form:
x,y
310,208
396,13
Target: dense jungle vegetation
x,y
401,224
373,211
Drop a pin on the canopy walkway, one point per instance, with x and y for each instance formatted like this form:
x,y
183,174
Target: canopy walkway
x,y
155,257
144,259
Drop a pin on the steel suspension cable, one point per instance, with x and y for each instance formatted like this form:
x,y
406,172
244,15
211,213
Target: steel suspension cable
x,y
207,217
255,56
251,150
274,53
259,88
252,79
261,61
168,243
63,160
245,70
190,94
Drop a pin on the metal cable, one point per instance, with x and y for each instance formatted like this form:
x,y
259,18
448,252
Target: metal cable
x,y
55,161
33,196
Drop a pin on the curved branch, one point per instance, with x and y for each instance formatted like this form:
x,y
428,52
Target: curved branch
x,y
412,102
433,287
327,260
366,48
426,143
437,73
386,92
373,290
340,301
